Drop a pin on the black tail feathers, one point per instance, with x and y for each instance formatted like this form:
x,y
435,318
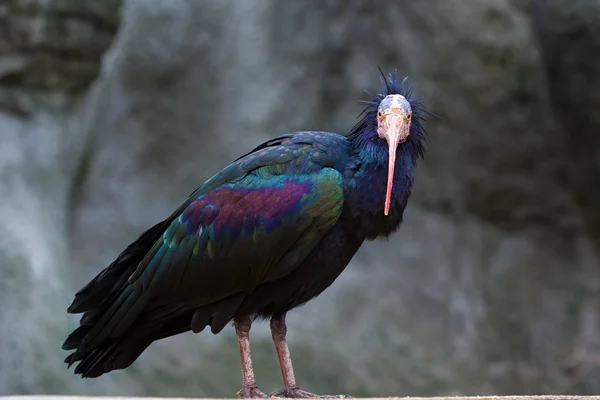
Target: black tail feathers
x,y
107,338
111,354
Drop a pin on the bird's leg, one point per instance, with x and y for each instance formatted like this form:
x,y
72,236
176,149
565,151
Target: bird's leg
x,y
249,387
290,389
278,332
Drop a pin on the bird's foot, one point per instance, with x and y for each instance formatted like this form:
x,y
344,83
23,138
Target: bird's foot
x,y
251,392
297,393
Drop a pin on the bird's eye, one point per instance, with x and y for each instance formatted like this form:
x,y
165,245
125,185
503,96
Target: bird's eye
x,y
379,113
409,116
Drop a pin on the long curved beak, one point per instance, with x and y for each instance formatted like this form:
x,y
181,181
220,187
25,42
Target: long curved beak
x,y
397,130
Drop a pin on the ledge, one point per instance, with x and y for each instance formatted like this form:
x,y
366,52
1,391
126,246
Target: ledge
x,y
548,397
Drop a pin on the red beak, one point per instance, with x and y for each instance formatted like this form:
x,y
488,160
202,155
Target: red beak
x,y
396,132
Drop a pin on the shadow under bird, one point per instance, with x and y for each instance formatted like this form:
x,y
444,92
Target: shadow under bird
x,y
264,235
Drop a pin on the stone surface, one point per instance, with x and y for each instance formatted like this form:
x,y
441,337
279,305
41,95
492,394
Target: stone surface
x,y
574,89
49,53
492,285
370,398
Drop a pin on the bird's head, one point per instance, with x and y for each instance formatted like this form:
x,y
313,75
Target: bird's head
x,y
393,117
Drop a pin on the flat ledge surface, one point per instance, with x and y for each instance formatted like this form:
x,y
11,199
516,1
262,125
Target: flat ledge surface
x,y
545,397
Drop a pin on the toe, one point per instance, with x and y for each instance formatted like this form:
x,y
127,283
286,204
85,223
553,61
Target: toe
x,y
251,393
297,393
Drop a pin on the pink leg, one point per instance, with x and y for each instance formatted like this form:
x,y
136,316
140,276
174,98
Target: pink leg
x,y
290,389
278,332
249,387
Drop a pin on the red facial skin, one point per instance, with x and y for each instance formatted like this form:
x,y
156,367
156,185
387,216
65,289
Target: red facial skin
x,y
393,124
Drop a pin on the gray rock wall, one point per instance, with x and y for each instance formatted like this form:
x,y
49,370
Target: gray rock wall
x,y
491,287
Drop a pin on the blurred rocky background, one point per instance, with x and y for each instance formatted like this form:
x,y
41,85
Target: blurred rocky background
x,y
112,112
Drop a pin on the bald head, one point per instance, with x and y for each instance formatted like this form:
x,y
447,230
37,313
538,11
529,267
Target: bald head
x,y
394,115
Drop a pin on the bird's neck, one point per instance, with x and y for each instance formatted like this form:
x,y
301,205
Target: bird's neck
x,y
366,188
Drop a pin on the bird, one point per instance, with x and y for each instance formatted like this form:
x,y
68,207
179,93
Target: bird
x,y
264,235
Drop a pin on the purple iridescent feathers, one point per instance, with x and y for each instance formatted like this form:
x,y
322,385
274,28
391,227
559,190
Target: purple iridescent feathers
x,y
232,210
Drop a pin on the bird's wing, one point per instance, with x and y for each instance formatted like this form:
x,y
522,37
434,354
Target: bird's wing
x,y
252,223
242,234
